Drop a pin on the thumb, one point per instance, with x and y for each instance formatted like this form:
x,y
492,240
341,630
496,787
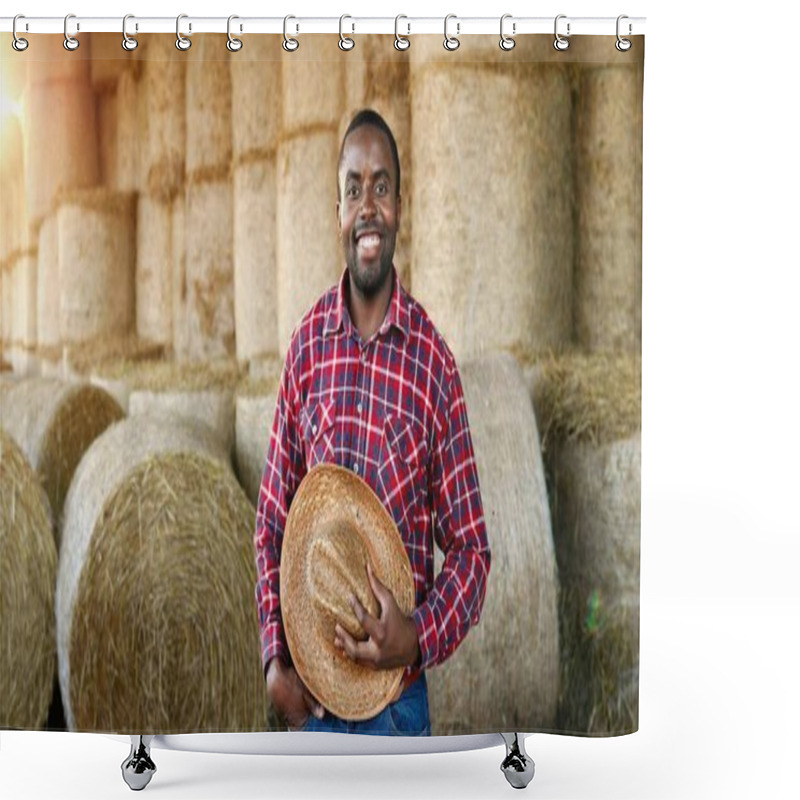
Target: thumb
x,y
314,706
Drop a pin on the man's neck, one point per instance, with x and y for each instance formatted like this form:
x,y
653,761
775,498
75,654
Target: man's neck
x,y
368,313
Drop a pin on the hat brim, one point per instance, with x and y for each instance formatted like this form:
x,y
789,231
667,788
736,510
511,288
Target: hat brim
x,y
336,524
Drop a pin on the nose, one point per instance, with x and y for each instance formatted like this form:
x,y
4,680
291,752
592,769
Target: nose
x,y
368,209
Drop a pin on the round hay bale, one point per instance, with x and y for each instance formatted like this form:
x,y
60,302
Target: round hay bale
x,y
308,269
164,81
313,86
608,280
498,237
68,161
210,323
591,412
256,109
132,132
97,263
154,270
208,111
54,423
107,135
48,302
255,259
156,625
504,675
27,592
255,411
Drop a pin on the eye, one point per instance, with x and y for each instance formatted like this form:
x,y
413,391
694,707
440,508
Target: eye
x,y
351,191
382,189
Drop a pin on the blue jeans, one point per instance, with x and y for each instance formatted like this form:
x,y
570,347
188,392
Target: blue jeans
x,y
407,717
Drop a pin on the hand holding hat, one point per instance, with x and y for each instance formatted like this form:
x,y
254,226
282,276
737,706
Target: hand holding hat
x,y
392,635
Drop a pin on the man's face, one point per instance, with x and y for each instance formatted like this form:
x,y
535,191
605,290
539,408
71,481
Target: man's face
x,y
368,213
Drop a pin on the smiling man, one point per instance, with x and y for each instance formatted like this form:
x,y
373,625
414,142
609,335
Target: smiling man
x,y
370,384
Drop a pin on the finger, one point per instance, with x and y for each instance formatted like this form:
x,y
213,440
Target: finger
x,y
368,622
360,652
313,705
382,594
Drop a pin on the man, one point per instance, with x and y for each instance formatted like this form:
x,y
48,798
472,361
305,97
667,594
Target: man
x,y
369,384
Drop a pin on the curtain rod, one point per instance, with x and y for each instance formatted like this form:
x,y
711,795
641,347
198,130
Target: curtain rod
x,y
457,26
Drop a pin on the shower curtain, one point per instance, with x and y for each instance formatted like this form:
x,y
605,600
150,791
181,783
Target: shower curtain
x,y
173,240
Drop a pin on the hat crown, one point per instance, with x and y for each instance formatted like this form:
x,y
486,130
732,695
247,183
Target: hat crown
x,y
337,570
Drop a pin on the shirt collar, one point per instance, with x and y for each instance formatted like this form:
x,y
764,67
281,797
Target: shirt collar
x,y
397,313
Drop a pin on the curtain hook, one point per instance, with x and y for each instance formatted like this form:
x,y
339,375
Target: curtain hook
x,y
128,42
623,45
507,42
182,43
234,45
289,44
401,42
560,42
70,42
17,42
451,42
345,42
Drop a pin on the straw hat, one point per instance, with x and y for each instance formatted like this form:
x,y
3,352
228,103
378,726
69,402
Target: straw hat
x,y
336,525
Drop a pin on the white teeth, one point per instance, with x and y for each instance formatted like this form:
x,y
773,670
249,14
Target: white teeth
x,y
369,240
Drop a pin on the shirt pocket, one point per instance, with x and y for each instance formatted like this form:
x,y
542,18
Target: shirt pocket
x,y
318,421
403,470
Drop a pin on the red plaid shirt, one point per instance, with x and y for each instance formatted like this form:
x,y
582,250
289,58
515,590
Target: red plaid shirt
x,y
391,409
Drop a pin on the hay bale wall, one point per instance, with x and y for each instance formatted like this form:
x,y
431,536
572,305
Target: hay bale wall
x,y
307,156
156,627
48,296
504,675
591,408
97,263
27,593
154,260
608,281
494,229
54,423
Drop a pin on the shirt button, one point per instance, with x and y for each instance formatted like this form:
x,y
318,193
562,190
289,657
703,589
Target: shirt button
x,y
313,429
355,468
364,356
359,408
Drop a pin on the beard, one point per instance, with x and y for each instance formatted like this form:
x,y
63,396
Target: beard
x,y
371,277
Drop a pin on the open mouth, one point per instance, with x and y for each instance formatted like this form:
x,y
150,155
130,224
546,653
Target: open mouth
x,y
368,244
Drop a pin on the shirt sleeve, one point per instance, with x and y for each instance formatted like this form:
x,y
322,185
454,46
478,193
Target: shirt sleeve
x,y
283,470
456,600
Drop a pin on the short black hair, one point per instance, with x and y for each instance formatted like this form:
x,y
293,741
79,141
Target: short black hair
x,y
368,116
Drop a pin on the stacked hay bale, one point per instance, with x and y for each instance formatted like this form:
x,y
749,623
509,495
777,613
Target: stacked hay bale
x,y
96,262
48,297
156,625
255,411
504,675
203,392
27,591
54,423
59,98
24,279
309,257
163,158
256,127
590,407
131,129
210,326
608,280
377,77
493,226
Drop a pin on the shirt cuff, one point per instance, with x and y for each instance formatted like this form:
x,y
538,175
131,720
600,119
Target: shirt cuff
x,y
425,624
273,645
